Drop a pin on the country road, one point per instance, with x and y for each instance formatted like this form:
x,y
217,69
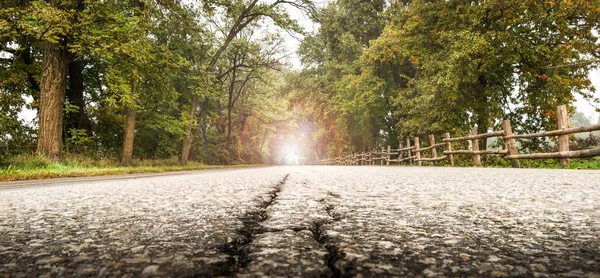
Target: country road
x,y
306,221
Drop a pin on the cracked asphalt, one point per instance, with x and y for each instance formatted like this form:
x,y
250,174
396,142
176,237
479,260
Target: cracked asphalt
x,y
307,221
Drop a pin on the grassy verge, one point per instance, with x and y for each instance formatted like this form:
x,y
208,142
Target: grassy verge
x,y
500,162
576,163
32,167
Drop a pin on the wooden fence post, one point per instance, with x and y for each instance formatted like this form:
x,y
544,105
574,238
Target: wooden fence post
x,y
475,143
409,152
381,156
387,158
373,153
433,151
563,140
373,156
400,156
418,152
449,148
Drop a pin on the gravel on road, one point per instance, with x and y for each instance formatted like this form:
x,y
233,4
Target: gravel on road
x,y
308,221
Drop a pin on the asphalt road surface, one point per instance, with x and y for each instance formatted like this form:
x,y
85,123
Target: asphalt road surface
x,y
306,221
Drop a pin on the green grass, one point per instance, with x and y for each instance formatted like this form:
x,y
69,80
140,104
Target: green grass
x,y
28,167
577,163
35,167
584,163
494,161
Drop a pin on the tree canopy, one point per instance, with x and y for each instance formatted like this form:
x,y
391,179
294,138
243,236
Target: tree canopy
x,y
209,80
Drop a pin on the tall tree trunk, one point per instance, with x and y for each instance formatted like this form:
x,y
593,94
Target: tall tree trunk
x,y
127,155
130,120
79,119
229,108
52,96
186,145
243,128
202,125
482,128
483,113
242,134
264,139
229,127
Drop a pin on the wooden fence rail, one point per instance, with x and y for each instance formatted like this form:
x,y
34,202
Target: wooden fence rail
x,y
418,153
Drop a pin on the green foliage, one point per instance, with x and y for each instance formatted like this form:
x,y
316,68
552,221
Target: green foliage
x,y
29,162
585,163
38,19
214,151
430,67
15,136
374,73
350,109
78,140
158,136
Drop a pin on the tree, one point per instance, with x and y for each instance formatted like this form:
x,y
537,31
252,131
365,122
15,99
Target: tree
x,y
579,119
248,62
63,30
49,22
474,61
350,116
239,16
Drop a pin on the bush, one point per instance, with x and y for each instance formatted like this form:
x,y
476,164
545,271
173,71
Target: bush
x,y
590,142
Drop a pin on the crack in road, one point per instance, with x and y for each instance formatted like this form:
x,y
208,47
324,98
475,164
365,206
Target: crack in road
x,y
238,247
334,254
319,234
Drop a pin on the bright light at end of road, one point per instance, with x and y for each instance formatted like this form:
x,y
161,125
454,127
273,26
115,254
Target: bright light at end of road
x,y
291,154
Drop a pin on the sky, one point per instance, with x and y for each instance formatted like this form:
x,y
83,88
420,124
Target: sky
x,y
583,105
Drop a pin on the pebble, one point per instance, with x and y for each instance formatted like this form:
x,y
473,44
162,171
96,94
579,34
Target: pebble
x,y
151,270
161,260
137,249
49,260
136,260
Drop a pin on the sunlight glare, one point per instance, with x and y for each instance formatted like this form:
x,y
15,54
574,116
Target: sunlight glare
x,y
291,155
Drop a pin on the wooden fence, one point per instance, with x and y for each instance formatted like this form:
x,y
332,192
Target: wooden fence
x,y
417,153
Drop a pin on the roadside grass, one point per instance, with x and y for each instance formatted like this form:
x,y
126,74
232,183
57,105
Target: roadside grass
x,y
29,167
585,163
494,161
575,164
